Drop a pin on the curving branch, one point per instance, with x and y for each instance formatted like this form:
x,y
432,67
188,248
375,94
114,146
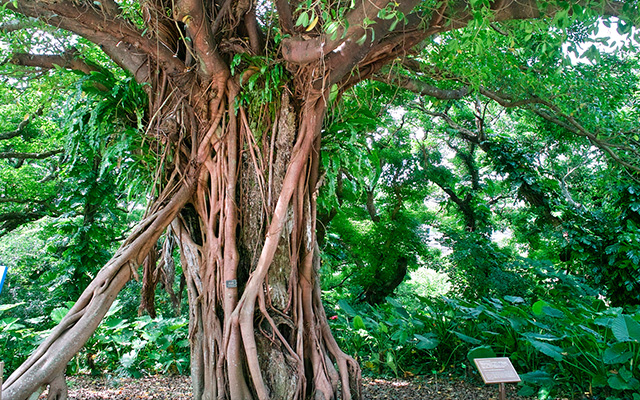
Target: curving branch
x,y
23,124
543,108
286,18
68,60
450,16
15,200
9,221
531,193
552,113
14,26
194,16
118,38
29,156
346,39
420,87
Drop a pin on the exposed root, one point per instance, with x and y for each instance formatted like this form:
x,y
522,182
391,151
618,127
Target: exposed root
x,y
58,389
49,361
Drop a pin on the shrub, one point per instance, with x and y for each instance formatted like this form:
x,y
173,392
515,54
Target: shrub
x,y
571,347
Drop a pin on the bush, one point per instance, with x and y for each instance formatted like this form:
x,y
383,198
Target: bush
x,y
142,346
571,347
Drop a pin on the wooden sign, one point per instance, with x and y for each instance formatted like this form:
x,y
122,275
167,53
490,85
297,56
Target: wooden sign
x,y
496,370
3,274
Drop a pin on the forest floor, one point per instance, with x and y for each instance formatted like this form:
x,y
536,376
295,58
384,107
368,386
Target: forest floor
x,y
179,388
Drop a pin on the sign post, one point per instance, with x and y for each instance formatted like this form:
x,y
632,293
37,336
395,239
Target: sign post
x,y
3,274
497,370
1,375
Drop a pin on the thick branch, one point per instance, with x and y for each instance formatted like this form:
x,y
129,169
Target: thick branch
x,y
543,108
302,51
12,220
400,42
15,26
284,12
422,88
124,43
20,201
554,115
192,13
45,61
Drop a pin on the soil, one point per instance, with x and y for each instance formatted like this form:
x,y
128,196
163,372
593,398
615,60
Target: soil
x,y
179,388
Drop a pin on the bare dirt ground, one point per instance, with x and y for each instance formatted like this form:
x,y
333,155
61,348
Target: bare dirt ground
x,y
179,388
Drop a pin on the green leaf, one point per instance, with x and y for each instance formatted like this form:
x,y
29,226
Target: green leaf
x,y
358,323
393,25
623,380
526,391
537,307
514,299
542,308
552,351
398,307
391,362
480,352
6,307
538,377
618,353
429,342
400,336
303,19
347,308
626,329
58,314
466,338
128,359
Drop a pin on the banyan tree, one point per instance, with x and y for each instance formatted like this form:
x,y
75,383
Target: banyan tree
x,y
238,91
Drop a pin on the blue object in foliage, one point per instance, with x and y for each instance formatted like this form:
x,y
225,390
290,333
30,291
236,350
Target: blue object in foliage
x,y
3,274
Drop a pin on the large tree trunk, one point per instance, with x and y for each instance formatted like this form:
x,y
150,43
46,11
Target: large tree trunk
x,y
257,324
242,205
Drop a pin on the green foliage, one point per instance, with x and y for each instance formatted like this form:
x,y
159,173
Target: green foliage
x,y
425,282
262,80
126,347
371,204
136,347
18,336
603,241
570,345
479,267
104,169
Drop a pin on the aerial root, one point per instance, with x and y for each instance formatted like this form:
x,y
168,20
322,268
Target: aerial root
x,y
58,389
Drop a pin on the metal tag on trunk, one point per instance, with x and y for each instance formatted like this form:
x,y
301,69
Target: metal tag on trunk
x,y
232,283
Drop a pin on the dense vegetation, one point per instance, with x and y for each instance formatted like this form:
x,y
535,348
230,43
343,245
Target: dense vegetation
x,y
478,197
